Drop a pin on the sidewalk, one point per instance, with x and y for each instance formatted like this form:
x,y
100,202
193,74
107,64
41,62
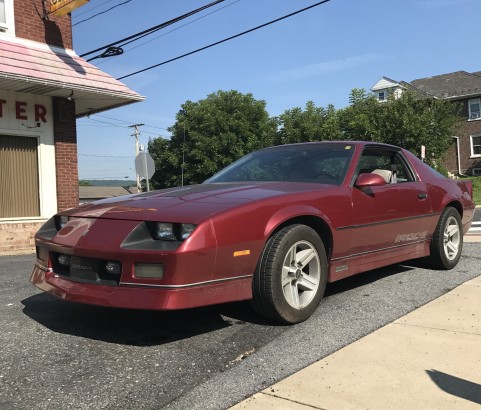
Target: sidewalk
x,y
428,359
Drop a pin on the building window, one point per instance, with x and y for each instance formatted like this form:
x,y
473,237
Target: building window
x,y
474,108
19,196
381,96
476,145
476,172
3,17
6,17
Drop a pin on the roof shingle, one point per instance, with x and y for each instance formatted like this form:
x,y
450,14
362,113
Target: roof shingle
x,y
450,86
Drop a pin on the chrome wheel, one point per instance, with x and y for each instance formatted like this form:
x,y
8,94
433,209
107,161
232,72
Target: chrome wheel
x,y
451,238
301,272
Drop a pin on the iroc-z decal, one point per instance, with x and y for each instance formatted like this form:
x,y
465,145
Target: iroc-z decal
x,y
413,236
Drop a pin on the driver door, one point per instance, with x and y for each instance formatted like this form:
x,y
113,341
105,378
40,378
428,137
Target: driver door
x,y
393,219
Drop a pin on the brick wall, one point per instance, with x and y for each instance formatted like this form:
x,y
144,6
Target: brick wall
x,y
450,160
65,138
55,31
464,132
29,24
18,236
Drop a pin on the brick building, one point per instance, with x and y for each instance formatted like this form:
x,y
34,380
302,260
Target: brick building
x,y
44,87
463,88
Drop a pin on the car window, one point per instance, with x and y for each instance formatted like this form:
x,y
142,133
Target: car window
x,y
387,163
314,163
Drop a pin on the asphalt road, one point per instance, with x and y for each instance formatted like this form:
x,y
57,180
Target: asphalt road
x,y
59,355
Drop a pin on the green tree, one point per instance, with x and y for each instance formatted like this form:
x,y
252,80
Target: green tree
x,y
409,121
210,134
84,183
312,124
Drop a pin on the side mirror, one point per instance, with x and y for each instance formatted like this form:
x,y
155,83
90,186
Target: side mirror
x,y
368,180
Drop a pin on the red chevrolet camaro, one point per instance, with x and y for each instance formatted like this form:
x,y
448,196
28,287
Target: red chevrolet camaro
x,y
274,227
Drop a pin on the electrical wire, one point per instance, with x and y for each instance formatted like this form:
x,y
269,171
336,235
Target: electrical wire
x,y
92,8
102,12
171,31
224,40
137,36
109,124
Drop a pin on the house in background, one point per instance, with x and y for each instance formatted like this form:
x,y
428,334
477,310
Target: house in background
x,y
44,87
464,156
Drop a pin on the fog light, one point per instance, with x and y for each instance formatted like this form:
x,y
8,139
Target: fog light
x,y
149,270
64,260
113,268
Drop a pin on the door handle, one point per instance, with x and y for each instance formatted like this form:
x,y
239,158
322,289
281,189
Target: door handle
x,y
422,195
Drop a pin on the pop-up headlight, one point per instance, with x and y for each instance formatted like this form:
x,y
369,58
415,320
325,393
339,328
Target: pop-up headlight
x,y
186,230
164,231
170,232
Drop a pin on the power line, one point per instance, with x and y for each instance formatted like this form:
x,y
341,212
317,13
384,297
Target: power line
x,y
171,31
101,12
118,125
92,8
224,40
108,123
116,47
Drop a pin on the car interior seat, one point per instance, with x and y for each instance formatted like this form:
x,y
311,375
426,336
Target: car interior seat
x,y
386,174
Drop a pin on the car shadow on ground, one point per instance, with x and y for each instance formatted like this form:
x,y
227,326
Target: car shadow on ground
x,y
365,278
121,326
149,328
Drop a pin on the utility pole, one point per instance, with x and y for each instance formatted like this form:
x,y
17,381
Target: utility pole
x,y
136,135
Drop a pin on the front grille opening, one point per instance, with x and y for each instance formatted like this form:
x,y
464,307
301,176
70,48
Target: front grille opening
x,y
86,270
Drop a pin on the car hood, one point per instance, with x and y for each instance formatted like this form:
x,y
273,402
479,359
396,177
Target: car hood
x,y
189,204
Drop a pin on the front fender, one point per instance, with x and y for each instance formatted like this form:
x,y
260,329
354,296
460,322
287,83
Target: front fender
x,y
292,212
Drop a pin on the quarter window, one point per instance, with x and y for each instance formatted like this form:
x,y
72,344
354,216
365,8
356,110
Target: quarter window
x,y
474,109
476,145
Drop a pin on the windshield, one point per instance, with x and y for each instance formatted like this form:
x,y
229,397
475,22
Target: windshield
x,y
323,163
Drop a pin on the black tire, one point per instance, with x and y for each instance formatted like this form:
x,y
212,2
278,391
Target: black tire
x,y
447,241
283,261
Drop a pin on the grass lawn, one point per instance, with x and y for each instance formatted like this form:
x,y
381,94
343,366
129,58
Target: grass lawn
x,y
476,189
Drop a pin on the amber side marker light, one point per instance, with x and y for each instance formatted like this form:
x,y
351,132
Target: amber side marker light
x,y
242,253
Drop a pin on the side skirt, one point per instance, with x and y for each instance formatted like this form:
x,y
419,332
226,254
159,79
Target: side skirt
x,y
344,267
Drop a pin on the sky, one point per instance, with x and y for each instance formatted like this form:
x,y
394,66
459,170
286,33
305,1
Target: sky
x,y
319,55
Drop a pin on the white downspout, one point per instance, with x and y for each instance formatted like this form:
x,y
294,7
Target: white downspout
x,y
458,155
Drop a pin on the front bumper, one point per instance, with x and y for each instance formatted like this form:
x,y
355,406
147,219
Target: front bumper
x,y
136,296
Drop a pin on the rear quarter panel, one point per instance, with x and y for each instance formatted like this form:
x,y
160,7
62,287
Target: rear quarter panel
x,y
444,191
